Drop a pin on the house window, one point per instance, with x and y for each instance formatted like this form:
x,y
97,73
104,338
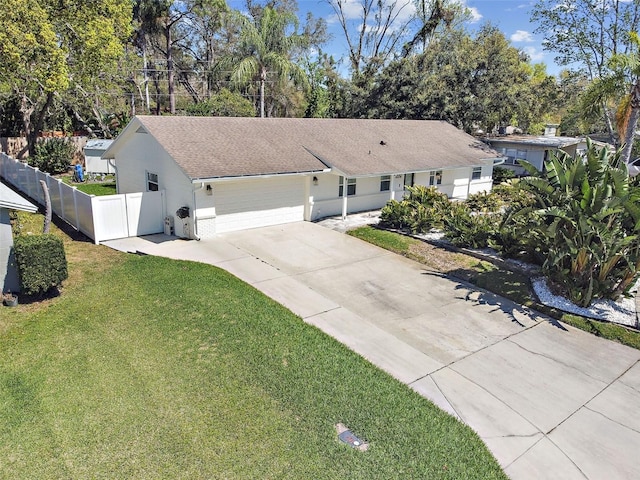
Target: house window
x,y
385,183
408,179
476,173
351,187
435,177
513,155
152,182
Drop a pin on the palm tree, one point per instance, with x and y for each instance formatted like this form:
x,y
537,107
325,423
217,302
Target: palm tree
x,y
624,76
266,49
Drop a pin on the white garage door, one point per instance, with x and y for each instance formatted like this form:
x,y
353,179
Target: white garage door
x,y
258,203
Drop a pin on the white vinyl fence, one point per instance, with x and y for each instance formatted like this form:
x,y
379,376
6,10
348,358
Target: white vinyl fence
x,y
100,218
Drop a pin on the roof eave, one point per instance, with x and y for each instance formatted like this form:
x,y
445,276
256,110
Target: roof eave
x,y
225,178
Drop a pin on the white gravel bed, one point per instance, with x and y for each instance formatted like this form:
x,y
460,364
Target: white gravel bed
x,y
622,311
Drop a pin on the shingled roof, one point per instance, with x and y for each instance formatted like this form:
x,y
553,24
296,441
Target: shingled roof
x,y
215,147
14,201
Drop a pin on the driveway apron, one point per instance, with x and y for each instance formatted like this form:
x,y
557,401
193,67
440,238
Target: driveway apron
x,y
549,401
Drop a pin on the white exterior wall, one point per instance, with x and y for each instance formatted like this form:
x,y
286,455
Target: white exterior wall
x,y
536,158
461,185
456,184
95,164
447,185
325,202
142,154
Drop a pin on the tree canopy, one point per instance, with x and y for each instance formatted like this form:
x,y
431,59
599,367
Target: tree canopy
x,y
77,65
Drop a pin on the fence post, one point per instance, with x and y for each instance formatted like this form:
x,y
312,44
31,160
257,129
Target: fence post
x,y
75,208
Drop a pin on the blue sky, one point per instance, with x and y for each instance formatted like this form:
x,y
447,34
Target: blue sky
x,y
510,16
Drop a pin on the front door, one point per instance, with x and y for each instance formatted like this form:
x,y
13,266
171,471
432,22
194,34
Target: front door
x,y
408,180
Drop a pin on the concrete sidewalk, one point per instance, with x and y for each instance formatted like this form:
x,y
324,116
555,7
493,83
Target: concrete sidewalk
x,y
550,401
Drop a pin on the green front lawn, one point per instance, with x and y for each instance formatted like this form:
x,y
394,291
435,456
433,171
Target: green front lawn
x,y
152,368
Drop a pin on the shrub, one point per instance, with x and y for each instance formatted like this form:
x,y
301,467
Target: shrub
x,y
501,174
395,215
464,229
510,194
421,210
428,207
53,155
508,239
484,202
42,264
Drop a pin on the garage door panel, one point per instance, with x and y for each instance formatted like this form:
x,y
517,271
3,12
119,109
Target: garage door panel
x,y
259,203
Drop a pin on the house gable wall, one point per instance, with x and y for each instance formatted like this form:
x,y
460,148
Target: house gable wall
x,y
142,154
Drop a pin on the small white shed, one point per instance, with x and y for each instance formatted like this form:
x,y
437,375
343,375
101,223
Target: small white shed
x,y
94,163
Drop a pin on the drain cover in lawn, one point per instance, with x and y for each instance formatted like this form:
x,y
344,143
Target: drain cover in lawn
x,y
347,436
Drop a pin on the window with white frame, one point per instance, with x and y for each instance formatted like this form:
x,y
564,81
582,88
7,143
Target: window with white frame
x,y
385,183
435,177
476,173
152,182
513,155
351,187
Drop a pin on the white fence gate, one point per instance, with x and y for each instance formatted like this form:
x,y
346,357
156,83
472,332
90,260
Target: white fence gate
x,y
100,218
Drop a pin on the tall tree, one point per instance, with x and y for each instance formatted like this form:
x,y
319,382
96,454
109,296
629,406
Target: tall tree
x,y
161,22
585,34
32,64
472,82
373,29
59,48
430,16
266,47
622,85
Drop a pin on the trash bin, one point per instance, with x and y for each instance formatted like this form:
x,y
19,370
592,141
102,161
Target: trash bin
x,y
79,176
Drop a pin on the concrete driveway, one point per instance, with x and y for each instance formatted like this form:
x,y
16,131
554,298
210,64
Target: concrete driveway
x,y
549,401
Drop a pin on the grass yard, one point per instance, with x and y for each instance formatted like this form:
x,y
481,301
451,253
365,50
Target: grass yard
x,y
147,367
98,189
486,275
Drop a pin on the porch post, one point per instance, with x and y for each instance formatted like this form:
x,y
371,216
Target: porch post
x,y
344,197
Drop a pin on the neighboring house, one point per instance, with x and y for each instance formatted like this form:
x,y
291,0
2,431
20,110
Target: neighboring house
x,y
222,174
93,161
533,149
9,200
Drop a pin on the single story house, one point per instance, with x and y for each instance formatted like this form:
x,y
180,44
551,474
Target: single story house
x,y
533,149
10,200
93,161
536,149
221,174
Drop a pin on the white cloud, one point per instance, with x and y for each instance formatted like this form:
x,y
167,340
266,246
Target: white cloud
x,y
522,36
476,16
534,54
